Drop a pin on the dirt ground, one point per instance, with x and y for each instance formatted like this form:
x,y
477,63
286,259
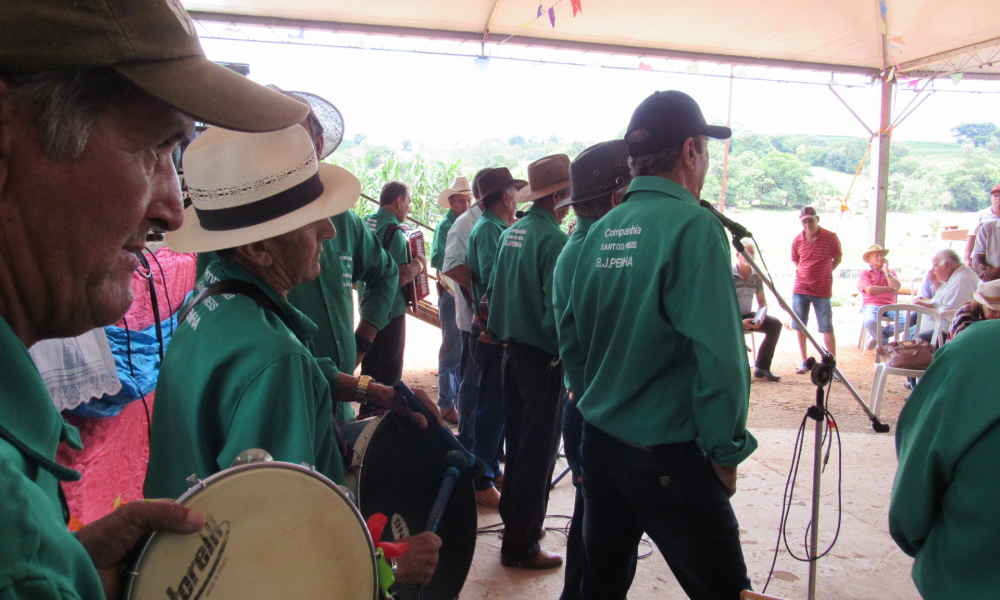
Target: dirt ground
x,y
864,563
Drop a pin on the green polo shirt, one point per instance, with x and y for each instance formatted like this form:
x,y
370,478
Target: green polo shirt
x,y
377,223
353,256
562,280
234,378
484,241
520,288
658,334
441,239
943,509
39,558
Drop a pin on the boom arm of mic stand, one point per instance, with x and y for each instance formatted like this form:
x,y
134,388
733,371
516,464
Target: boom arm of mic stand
x,y
877,425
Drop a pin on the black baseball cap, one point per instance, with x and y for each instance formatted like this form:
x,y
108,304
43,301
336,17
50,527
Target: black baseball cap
x,y
808,212
670,118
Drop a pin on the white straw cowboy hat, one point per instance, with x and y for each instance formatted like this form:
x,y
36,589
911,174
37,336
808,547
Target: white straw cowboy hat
x,y
872,250
461,187
248,187
545,176
988,294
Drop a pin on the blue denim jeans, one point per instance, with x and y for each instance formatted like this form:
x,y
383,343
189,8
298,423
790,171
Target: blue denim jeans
x,y
822,306
671,493
450,354
870,311
468,390
489,411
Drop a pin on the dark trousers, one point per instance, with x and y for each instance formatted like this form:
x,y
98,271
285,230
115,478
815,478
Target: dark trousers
x,y
771,328
384,362
489,410
533,409
671,493
468,392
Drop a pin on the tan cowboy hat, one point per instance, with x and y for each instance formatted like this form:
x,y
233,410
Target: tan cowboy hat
x,y
248,187
460,187
988,294
872,250
545,176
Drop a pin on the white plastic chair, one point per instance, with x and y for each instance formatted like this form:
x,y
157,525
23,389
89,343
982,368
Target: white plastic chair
x,y
752,346
883,370
865,336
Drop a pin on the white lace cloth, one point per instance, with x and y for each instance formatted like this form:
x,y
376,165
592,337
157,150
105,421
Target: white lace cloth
x,y
77,369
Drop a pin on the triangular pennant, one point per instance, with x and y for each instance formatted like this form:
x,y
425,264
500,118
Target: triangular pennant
x,y
552,16
882,7
881,26
899,40
539,15
576,7
644,67
955,78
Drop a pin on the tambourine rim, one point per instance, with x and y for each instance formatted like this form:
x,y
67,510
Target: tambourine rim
x,y
203,485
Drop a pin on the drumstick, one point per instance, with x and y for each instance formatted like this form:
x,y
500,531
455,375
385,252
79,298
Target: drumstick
x,y
472,461
457,464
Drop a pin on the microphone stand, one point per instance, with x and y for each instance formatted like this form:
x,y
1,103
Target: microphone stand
x,y
821,372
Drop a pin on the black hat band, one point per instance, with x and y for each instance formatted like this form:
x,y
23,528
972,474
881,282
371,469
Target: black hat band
x,y
261,211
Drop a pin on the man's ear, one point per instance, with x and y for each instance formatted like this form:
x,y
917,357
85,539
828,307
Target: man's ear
x,y
256,254
690,153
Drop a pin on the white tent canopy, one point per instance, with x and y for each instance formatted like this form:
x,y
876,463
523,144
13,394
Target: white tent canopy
x,y
930,36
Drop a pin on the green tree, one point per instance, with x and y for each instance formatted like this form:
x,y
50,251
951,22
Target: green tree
x,y
753,142
845,156
970,184
978,134
360,137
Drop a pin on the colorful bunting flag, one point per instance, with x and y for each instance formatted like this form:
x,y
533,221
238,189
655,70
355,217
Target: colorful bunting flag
x,y
576,7
552,16
955,78
539,15
899,40
644,67
882,7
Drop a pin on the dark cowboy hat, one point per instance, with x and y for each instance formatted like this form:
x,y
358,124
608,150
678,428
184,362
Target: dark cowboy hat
x,y
497,179
598,171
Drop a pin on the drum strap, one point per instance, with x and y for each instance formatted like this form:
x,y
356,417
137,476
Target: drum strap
x,y
235,286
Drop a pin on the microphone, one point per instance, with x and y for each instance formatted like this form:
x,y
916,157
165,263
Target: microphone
x,y
735,228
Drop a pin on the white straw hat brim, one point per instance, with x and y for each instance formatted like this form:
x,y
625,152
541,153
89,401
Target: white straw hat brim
x,y
995,305
341,191
448,193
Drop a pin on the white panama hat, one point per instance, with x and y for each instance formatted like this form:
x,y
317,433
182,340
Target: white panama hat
x,y
461,186
248,187
988,294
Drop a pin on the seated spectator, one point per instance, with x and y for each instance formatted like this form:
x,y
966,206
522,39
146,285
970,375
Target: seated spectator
x,y
957,284
985,305
878,286
929,285
748,284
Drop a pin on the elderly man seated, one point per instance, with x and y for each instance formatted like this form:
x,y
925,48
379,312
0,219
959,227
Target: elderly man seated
x,y
748,284
878,286
240,372
957,284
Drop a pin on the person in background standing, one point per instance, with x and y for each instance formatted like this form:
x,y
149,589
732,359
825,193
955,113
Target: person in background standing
x,y
816,253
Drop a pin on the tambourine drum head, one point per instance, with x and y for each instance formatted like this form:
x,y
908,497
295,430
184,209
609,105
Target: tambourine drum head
x,y
274,531
401,472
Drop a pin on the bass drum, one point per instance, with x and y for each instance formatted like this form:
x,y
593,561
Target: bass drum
x,y
273,530
398,473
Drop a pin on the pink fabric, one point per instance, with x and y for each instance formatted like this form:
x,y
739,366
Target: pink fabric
x,y
180,273
113,461
873,277
116,449
814,274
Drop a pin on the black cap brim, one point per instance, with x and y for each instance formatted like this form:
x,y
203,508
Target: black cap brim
x,y
718,132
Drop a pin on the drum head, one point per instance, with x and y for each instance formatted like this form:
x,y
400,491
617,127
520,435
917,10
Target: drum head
x,y
399,477
274,530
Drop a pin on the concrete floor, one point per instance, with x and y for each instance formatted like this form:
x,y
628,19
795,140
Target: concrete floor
x,y
864,563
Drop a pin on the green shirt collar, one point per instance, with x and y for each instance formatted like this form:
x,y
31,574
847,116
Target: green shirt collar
x,y
451,216
538,210
383,214
659,186
28,419
301,325
489,215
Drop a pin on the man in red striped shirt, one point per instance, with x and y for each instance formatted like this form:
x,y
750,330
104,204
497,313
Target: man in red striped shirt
x,y
816,253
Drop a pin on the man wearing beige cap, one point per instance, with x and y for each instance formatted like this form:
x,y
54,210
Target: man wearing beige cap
x,y
522,316
93,98
455,200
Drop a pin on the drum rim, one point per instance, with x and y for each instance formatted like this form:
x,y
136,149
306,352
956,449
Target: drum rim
x,y
302,468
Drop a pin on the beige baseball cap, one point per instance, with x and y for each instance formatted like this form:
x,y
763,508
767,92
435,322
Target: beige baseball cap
x,y
153,43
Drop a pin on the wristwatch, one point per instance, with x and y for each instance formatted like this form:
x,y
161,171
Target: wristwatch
x,y
363,344
361,394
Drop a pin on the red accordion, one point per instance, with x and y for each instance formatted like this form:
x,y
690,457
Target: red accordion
x,y
419,288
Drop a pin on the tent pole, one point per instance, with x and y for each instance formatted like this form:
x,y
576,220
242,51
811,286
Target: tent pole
x,y
880,166
725,157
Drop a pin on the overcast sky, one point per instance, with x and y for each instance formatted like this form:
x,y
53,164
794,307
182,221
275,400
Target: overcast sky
x,y
440,101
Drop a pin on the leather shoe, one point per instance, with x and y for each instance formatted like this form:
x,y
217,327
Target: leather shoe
x,y
543,560
766,374
498,481
450,416
490,497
